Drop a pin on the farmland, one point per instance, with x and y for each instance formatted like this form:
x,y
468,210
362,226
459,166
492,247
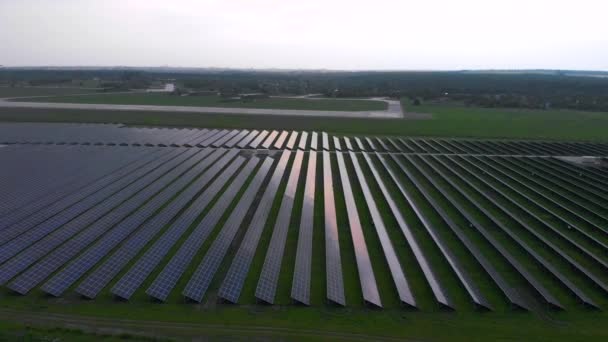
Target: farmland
x,y
390,236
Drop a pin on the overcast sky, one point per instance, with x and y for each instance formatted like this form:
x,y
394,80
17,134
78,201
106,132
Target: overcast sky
x,y
307,34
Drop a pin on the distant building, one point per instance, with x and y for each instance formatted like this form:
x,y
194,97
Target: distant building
x,y
168,88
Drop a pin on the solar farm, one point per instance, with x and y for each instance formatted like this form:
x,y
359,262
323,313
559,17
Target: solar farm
x,y
224,218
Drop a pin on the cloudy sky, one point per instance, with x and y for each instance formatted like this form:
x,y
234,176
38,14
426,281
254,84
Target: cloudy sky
x,y
307,34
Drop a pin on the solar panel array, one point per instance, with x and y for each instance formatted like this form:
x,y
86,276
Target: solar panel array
x,y
263,215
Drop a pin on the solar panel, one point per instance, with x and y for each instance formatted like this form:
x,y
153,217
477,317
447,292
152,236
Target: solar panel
x,y
359,144
382,144
202,137
292,140
166,280
580,294
333,264
42,269
371,144
394,144
43,207
314,141
325,141
154,255
458,269
507,290
245,142
300,289
399,278
364,264
268,142
303,140
337,146
205,272
562,191
220,142
211,140
258,140
281,140
539,190
190,142
269,276
235,277
62,280
232,142
102,200
95,282
547,224
581,186
348,144
547,296
438,291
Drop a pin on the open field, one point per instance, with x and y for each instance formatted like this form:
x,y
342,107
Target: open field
x,y
423,239
446,121
8,92
216,101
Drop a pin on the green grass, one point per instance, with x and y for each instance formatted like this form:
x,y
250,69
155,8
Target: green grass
x,y
7,92
216,101
447,121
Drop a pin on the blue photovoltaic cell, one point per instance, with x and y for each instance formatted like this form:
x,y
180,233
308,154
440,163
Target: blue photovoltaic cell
x,y
14,225
62,280
166,280
364,264
42,269
547,296
269,277
247,139
220,142
205,272
333,263
300,289
457,267
508,291
235,277
49,241
95,282
438,291
399,278
232,142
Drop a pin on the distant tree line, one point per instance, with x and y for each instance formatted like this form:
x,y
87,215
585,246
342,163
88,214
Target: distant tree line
x,y
517,90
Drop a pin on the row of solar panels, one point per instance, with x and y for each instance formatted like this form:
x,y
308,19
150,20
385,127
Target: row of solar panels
x,y
36,133
120,217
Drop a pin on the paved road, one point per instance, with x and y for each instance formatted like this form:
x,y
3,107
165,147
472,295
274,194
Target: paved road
x,y
393,111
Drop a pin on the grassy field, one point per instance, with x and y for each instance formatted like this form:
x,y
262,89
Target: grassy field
x,y
7,92
216,101
448,121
